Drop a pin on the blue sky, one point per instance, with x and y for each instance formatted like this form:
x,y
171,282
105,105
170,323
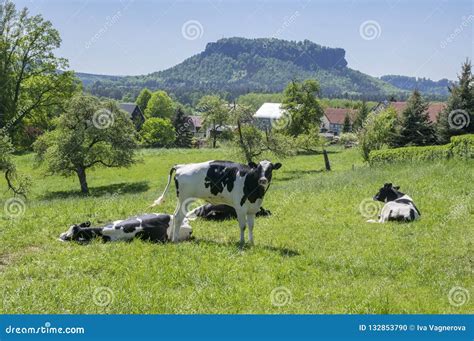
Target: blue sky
x,y
124,37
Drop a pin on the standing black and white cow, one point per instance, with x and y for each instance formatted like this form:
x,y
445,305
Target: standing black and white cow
x,y
398,207
154,227
222,182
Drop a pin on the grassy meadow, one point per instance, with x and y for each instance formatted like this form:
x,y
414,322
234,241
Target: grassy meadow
x,y
315,254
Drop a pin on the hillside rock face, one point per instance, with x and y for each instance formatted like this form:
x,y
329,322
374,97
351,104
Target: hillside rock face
x,y
306,54
235,66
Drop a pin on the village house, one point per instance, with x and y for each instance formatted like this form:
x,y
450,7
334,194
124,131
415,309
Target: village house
x,y
134,113
433,109
332,122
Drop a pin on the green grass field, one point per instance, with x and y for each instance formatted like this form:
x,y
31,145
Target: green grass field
x,y
315,254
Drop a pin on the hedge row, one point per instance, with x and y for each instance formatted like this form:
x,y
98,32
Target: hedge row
x,y
460,147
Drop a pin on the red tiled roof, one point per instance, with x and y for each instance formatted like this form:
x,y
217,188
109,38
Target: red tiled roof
x,y
337,115
433,110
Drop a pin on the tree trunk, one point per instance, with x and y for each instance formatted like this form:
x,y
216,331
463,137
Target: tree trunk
x,y
326,160
248,157
214,138
81,174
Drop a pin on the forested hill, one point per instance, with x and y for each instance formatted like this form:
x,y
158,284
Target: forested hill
x,y
235,66
425,85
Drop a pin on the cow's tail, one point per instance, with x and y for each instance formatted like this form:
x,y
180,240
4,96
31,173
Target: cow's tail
x,y
161,199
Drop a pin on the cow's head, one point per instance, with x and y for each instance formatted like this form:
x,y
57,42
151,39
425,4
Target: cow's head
x,y
74,233
264,171
388,193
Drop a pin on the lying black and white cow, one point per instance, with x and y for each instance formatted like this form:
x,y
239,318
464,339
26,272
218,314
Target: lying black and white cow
x,y
152,227
222,182
220,212
398,207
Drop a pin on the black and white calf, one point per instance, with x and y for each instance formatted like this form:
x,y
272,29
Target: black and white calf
x,y
398,207
152,227
242,187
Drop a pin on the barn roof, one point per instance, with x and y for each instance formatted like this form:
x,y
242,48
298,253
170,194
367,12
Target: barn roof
x,y
128,107
433,109
337,115
270,110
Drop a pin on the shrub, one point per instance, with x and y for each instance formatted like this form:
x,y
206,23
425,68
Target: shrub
x,y
379,132
460,147
157,132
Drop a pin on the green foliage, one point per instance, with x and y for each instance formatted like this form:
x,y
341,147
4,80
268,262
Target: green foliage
x,y
309,142
160,105
253,143
90,133
348,138
361,116
347,124
18,184
416,128
182,125
424,153
143,99
300,100
461,147
378,132
424,85
460,106
215,115
158,132
255,100
31,87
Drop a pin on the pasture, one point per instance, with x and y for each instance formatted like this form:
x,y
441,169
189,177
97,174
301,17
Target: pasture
x,y
315,254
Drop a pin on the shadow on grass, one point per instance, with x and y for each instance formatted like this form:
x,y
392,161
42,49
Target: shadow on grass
x,y
113,189
317,152
283,251
297,173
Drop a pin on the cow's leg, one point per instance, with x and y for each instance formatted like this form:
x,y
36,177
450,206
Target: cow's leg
x,y
179,216
242,222
250,222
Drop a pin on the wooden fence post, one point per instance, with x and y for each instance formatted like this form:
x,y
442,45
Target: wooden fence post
x,y
326,160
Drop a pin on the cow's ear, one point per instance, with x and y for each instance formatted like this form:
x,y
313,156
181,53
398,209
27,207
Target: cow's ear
x,y
252,164
388,185
396,187
277,165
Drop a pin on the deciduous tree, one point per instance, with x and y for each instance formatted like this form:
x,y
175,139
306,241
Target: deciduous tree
x,y
89,134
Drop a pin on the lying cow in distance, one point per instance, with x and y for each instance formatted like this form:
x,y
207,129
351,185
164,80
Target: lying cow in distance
x,y
152,227
398,207
222,182
220,212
